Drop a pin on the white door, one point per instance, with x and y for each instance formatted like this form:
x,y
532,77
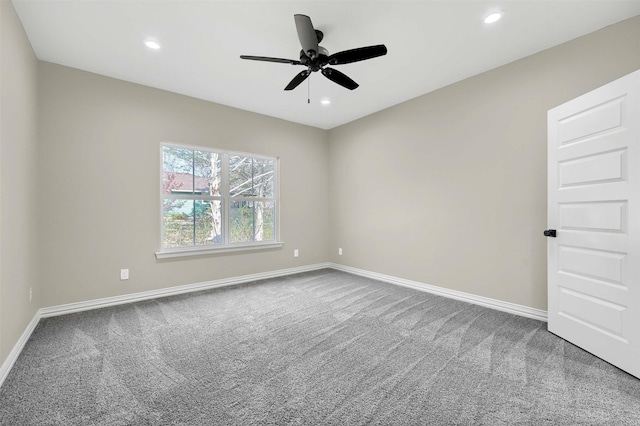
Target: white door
x,y
594,205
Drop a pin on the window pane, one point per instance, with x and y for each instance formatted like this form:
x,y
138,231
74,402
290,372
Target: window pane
x,y
207,169
252,221
177,165
263,174
250,177
194,207
268,212
241,221
208,222
240,182
178,223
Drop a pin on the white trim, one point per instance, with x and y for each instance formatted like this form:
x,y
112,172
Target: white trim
x,y
199,251
225,201
69,308
499,305
188,288
6,366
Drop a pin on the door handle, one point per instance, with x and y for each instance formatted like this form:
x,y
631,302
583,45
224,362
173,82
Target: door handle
x,y
550,233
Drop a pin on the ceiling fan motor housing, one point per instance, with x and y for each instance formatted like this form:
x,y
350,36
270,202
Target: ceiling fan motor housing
x,y
316,58
317,62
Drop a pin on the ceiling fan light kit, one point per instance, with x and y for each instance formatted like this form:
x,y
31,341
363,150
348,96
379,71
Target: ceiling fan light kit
x,y
317,58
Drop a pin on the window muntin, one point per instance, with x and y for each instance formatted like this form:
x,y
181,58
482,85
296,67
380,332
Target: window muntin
x,y
217,199
250,176
252,219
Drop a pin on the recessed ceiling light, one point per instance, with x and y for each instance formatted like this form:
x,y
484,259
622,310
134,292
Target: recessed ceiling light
x,y
152,44
326,101
493,17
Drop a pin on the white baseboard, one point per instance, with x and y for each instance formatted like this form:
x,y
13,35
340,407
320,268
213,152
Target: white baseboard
x,y
499,305
17,348
188,288
70,308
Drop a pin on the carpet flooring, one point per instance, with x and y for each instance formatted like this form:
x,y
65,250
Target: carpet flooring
x,y
319,348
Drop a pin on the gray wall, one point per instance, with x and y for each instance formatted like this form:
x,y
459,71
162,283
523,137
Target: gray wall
x,y
19,189
449,189
100,159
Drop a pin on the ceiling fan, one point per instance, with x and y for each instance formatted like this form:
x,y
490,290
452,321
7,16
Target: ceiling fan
x,y
317,58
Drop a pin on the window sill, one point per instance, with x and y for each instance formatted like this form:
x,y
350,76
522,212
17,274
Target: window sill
x,y
199,251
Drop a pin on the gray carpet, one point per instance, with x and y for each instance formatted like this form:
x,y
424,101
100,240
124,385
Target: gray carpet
x,y
320,348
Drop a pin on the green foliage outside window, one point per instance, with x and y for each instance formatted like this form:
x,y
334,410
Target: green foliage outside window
x,y
209,193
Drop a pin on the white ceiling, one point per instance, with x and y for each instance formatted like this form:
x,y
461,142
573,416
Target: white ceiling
x,y
431,44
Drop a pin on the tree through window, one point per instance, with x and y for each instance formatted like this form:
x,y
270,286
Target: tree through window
x,y
216,198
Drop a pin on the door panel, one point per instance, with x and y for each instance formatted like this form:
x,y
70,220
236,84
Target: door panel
x,y
594,204
605,216
598,168
604,316
598,118
592,264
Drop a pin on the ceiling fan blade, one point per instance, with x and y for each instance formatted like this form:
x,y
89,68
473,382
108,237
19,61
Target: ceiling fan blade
x,y
302,76
267,59
306,35
338,77
358,54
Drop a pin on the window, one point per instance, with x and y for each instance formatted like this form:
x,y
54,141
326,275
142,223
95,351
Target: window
x,y
214,200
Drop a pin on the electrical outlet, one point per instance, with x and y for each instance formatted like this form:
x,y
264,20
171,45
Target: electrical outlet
x,y
340,251
124,274
30,294
295,253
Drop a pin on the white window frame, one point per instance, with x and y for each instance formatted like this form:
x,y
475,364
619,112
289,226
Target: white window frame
x,y
226,199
